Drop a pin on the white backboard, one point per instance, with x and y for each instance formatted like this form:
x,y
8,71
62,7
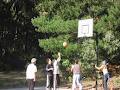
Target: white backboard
x,y
85,28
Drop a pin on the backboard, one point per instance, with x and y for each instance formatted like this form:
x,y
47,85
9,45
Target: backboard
x,y
85,28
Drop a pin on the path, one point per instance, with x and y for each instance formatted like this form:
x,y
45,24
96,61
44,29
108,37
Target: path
x,y
36,88
43,88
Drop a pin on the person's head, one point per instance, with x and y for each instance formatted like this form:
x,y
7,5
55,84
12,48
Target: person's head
x,y
49,61
104,62
33,60
76,61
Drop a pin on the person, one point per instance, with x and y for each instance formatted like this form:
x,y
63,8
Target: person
x,y
49,69
56,71
31,74
76,76
104,69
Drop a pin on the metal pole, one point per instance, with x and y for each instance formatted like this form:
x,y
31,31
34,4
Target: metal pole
x,y
96,56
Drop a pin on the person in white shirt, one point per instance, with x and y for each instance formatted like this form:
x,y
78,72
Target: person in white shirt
x,y
104,69
31,74
56,71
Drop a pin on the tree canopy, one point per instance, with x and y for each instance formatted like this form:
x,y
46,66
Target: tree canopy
x,y
36,28
58,20
18,39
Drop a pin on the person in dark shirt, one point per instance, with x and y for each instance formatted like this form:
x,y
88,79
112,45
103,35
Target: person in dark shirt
x,y
49,69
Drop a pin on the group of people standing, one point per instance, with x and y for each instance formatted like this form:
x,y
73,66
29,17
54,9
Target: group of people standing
x,y
53,74
53,71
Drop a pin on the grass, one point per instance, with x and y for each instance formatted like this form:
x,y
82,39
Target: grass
x,y
17,79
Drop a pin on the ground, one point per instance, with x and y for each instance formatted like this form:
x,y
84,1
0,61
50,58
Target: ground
x,y
16,81
36,88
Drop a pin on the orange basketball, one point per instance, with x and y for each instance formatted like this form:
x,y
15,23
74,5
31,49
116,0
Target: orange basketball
x,y
65,44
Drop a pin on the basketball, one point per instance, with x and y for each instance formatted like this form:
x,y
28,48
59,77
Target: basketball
x,y
65,44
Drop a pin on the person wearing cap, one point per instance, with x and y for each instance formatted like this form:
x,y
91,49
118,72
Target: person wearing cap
x,y
31,74
104,69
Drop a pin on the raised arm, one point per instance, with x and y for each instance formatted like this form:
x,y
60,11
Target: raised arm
x,y
59,57
99,68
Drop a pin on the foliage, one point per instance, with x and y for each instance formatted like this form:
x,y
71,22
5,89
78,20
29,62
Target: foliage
x,y
54,25
59,18
108,26
56,21
18,39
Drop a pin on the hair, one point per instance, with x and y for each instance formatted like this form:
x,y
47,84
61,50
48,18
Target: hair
x,y
33,60
76,61
47,60
104,62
